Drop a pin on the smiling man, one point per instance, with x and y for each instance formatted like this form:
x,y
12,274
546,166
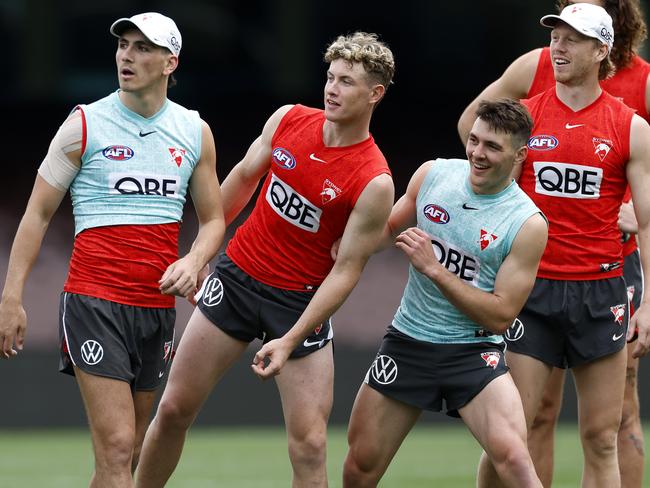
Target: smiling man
x,y
527,76
325,179
474,252
586,146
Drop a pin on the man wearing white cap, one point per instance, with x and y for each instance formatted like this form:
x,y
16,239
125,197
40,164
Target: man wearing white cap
x,y
585,147
527,76
128,161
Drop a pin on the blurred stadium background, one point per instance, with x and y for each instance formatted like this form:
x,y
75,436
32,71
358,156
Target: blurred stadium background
x,y
240,61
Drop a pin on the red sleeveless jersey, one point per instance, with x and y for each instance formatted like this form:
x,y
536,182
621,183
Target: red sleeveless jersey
x,y
575,173
123,263
627,84
304,204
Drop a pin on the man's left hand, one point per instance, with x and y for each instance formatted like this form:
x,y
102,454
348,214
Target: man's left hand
x,y
180,278
640,320
277,353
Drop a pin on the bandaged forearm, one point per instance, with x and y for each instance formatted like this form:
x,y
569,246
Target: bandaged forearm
x,y
57,168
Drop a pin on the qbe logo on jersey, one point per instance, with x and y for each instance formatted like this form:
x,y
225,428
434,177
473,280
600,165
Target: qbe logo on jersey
x,y
457,261
292,206
143,184
567,180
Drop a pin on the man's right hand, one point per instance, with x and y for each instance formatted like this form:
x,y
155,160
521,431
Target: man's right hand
x,y
13,324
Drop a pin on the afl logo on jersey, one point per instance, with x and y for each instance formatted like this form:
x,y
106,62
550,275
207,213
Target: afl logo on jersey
x,y
118,153
436,214
542,143
283,158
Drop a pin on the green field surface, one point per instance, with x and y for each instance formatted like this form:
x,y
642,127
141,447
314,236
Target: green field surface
x,y
432,456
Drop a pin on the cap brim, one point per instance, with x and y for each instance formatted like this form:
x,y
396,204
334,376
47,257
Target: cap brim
x,y
120,25
550,20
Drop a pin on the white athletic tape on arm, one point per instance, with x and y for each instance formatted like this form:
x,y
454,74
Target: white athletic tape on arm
x,y
57,168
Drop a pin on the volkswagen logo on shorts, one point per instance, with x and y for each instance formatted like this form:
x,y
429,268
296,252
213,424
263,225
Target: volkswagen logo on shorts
x,y
515,332
384,370
213,293
92,352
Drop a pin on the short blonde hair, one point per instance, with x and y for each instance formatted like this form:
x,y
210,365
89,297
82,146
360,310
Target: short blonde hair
x,y
364,48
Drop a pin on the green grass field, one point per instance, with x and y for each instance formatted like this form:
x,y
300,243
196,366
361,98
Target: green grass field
x,y
431,456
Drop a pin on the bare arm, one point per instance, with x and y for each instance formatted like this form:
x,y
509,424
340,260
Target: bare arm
x,y
403,214
362,232
180,278
626,218
515,82
638,176
515,279
240,184
43,203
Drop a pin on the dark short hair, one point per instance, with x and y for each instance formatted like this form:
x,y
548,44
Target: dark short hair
x,y
508,116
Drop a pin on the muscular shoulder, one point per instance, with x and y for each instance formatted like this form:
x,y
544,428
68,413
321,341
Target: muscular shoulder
x,y
273,122
639,138
418,177
534,230
381,187
518,77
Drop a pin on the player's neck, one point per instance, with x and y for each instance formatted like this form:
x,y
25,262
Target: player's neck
x,y
345,133
146,104
578,96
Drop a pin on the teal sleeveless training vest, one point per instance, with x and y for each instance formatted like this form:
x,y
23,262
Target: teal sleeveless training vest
x,y
471,235
134,170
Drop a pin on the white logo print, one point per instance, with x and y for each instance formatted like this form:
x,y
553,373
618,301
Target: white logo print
x,y
602,147
566,180
491,359
463,264
617,337
330,191
313,157
292,206
516,331
309,343
92,352
573,126
213,293
384,370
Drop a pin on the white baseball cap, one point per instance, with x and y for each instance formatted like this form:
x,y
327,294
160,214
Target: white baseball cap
x,y
588,19
159,29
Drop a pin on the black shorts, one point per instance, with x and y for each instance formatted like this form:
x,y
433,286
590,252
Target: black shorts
x,y
246,309
423,374
633,274
570,323
125,342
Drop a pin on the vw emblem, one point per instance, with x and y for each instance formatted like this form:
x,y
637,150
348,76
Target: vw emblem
x,y
213,293
92,352
515,331
384,370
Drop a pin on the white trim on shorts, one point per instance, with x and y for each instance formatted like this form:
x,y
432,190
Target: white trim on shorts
x,y
65,331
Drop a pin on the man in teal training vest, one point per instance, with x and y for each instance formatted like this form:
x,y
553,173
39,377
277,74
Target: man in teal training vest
x,y
474,240
128,161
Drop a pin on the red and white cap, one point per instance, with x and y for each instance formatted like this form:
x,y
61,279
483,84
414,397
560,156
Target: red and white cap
x,y
588,19
159,29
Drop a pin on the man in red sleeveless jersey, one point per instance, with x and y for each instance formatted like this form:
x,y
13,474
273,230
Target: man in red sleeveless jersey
x,y
527,76
586,145
325,179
